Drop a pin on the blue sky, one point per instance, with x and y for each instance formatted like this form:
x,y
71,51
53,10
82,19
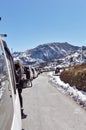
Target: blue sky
x,y
29,23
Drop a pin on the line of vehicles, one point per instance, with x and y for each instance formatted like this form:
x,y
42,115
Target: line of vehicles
x,y
10,110
10,114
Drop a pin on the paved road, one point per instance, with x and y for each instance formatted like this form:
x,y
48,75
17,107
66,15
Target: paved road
x,y
49,109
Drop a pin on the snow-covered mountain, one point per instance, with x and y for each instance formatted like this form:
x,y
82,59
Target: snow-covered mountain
x,y
74,58
45,53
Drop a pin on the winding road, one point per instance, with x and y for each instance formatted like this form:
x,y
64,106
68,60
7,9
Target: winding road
x,y
49,109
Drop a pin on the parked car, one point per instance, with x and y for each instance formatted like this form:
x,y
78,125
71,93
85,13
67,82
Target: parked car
x,y
34,73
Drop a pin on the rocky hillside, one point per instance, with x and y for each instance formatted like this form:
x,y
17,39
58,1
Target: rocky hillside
x,y
51,51
75,76
46,52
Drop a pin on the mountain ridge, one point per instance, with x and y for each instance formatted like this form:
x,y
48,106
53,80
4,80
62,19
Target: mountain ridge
x,y
46,52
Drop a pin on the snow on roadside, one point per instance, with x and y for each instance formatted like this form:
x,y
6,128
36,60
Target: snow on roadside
x,y
78,96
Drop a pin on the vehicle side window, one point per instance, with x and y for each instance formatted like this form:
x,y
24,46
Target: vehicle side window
x,y
6,103
12,72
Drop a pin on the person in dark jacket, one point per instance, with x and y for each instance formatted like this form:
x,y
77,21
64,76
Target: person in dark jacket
x,y
19,84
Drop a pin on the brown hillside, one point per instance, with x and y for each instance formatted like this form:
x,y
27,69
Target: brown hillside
x,y
75,76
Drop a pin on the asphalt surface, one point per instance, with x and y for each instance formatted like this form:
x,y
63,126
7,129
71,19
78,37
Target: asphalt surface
x,y
49,109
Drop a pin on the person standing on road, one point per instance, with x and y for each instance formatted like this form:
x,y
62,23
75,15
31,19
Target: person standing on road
x,y
19,84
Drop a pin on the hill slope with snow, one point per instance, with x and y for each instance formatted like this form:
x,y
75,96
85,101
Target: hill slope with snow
x,y
46,53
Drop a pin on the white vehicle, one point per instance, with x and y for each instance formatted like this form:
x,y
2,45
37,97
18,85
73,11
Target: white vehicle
x,y
34,73
10,114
